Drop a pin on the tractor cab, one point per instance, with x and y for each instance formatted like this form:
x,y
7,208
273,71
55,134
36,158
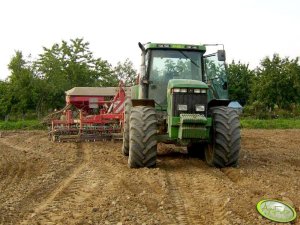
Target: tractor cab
x,y
164,62
168,64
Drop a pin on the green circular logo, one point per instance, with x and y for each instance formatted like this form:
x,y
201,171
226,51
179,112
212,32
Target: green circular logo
x,y
276,210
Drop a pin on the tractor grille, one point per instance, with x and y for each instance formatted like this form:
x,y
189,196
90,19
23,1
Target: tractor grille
x,y
189,99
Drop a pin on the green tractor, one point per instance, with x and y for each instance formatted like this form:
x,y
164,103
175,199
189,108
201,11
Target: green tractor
x,y
181,98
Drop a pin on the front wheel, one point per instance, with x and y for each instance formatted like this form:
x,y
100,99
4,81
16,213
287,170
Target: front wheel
x,y
225,143
142,137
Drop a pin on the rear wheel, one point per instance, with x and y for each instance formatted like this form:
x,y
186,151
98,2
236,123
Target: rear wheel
x,y
125,147
225,145
142,137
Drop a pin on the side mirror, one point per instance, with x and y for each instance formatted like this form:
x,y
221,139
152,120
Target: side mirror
x,y
221,55
142,47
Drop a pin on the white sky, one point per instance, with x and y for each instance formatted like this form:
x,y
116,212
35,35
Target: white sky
x,y
250,29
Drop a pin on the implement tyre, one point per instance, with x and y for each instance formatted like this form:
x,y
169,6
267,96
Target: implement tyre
x,y
142,137
224,149
125,147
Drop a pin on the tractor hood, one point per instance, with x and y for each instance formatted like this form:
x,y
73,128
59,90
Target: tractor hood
x,y
184,83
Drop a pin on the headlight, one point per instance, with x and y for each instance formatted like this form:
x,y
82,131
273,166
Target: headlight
x,y
197,91
182,107
176,90
200,108
183,90
203,91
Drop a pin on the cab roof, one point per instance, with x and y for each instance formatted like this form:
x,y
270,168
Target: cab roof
x,y
174,46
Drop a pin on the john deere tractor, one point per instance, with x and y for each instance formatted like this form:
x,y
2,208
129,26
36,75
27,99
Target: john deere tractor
x,y
181,97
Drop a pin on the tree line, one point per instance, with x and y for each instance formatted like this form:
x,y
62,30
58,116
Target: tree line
x,y
270,90
36,87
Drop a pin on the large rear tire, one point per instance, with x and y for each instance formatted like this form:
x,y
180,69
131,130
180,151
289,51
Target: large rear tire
x,y
224,149
142,137
125,147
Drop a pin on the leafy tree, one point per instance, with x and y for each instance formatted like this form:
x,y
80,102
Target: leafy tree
x,y
68,65
5,99
278,82
126,72
21,94
240,80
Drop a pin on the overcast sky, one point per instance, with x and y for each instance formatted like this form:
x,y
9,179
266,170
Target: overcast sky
x,y
250,29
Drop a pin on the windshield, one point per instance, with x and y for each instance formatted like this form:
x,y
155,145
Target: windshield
x,y
172,64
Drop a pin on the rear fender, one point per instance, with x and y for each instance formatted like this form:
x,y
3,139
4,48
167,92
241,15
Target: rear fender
x,y
218,102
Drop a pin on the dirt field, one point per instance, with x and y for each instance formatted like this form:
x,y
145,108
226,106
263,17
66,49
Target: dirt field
x,y
89,183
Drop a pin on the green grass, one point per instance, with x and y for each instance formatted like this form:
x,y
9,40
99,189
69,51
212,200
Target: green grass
x,y
270,124
21,125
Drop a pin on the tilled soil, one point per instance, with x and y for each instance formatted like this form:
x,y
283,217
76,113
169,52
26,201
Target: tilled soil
x,y
42,182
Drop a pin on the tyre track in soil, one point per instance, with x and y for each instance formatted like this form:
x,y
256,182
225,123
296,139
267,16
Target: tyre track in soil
x,y
11,145
36,137
23,149
71,201
14,166
177,200
48,211
197,193
11,172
